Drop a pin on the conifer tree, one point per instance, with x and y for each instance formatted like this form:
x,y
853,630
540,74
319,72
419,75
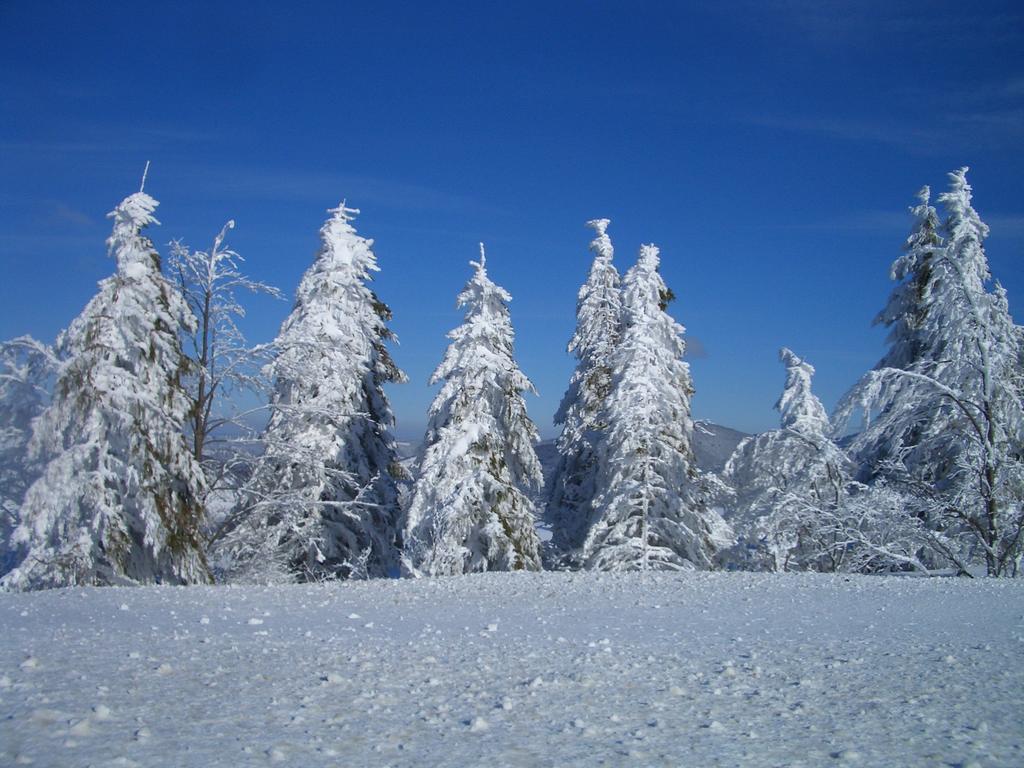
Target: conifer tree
x,y
118,500
469,510
913,315
953,418
26,370
323,500
581,413
916,273
649,512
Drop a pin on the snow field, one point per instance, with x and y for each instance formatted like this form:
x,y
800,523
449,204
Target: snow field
x,y
550,669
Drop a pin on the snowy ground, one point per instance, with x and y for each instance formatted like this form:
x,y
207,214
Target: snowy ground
x,y
519,670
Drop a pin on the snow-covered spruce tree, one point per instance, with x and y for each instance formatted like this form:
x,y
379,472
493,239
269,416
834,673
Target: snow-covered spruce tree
x,y
917,329
118,500
649,511
469,510
224,363
26,371
322,502
581,413
784,480
955,415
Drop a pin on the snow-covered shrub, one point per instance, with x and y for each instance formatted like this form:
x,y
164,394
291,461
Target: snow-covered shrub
x,y
784,479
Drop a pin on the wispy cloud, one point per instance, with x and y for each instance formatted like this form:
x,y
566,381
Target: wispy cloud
x,y
872,222
1014,88
1005,223
890,222
987,128
961,109
838,22
996,123
54,147
14,244
1006,90
320,186
65,214
695,349
96,140
853,129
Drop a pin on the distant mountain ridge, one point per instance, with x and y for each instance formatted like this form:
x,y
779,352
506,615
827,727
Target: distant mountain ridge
x,y
713,444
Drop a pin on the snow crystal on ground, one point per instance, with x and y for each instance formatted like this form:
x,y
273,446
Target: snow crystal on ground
x,y
548,669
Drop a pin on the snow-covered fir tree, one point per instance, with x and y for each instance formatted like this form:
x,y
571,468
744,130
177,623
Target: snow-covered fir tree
x,y
26,369
323,500
649,511
581,413
784,480
917,328
470,510
906,313
953,417
118,500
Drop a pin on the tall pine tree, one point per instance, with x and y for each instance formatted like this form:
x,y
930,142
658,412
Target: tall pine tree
x,y
582,411
649,512
469,510
323,502
913,315
118,499
952,418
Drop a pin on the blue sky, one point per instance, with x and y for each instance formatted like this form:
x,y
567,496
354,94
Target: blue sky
x,y
769,148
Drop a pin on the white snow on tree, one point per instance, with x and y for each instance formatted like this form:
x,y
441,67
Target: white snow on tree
x,y
470,510
917,336
952,419
800,409
784,479
797,506
906,313
582,410
872,529
26,372
323,501
224,363
650,511
118,500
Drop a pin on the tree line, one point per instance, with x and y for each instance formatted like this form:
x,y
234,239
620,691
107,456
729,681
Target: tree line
x,y
117,464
